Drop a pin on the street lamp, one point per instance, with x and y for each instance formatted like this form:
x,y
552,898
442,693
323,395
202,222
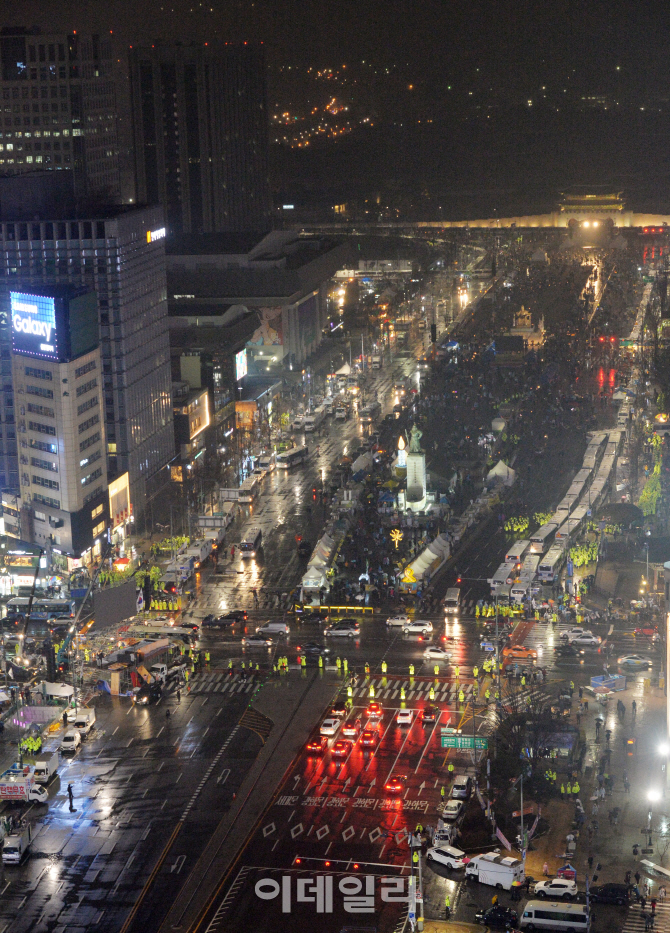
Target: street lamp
x,y
653,796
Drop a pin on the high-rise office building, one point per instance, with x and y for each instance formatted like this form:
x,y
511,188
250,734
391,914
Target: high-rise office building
x,y
120,256
57,380
201,136
59,109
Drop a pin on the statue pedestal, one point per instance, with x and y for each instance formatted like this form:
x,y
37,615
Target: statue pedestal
x,y
415,496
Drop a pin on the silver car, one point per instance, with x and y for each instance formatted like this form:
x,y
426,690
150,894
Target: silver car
x,y
418,627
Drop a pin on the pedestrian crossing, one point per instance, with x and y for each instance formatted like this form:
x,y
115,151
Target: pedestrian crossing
x,y
220,684
636,919
385,689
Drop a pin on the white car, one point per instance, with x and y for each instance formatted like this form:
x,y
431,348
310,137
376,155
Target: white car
x,y
435,653
343,629
573,632
446,855
398,621
329,726
634,661
257,641
70,741
556,888
405,717
587,640
452,810
418,627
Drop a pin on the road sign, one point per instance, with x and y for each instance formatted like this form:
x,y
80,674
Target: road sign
x,y
465,742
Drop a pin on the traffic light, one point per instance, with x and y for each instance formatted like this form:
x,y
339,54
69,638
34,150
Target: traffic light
x,y
314,493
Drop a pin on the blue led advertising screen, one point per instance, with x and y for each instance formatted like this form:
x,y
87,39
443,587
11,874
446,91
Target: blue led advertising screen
x,y
34,325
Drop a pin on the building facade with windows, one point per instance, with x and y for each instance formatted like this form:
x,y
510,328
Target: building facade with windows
x,y
59,109
200,130
120,258
57,380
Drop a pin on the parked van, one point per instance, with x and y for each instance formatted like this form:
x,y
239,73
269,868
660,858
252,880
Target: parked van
x,y
461,788
497,870
568,918
273,628
84,721
452,601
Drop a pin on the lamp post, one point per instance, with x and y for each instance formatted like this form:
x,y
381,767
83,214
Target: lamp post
x,y
664,751
653,796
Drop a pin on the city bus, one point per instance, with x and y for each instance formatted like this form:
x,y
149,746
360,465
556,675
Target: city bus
x,y
41,608
368,414
517,552
315,419
249,489
504,575
292,457
540,541
251,542
549,568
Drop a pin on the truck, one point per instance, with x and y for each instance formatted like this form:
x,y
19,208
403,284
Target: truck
x,y
17,845
46,766
84,721
377,359
497,870
164,673
19,784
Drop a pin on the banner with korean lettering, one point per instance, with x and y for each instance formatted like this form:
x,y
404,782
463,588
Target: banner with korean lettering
x,y
503,839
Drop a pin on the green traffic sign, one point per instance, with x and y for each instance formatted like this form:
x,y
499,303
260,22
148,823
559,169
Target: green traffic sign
x,y
465,742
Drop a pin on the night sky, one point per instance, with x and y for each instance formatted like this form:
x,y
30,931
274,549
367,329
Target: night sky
x,y
476,106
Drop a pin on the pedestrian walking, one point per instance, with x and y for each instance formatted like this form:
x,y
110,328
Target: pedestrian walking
x,y
178,696
633,707
70,794
447,906
661,893
545,870
637,877
653,906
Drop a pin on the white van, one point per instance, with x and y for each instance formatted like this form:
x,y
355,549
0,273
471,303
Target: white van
x,y
568,918
272,628
452,601
497,870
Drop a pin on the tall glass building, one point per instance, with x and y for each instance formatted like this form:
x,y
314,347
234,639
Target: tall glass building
x,y
119,255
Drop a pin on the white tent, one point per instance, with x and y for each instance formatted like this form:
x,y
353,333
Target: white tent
x,y
344,370
364,462
430,560
501,473
620,395
56,690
